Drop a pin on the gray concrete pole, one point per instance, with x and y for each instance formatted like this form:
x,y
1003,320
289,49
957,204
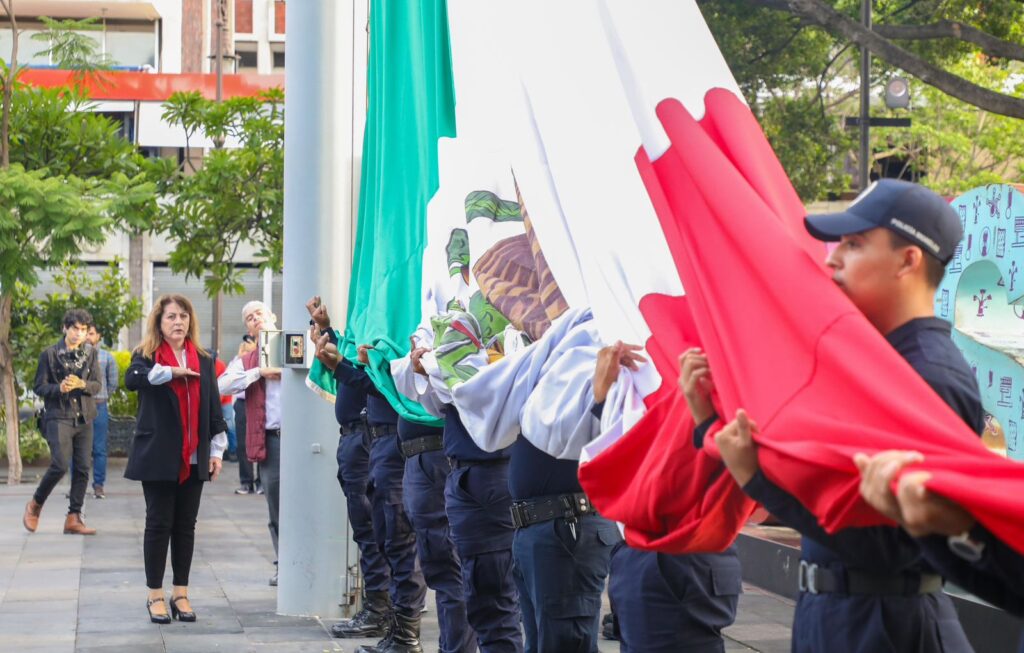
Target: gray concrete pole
x,y
321,148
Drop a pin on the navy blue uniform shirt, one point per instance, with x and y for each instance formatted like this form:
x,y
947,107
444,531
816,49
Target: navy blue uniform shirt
x,y
349,404
350,400
533,473
409,430
925,343
378,410
458,445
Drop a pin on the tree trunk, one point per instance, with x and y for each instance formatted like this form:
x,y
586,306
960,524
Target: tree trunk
x,y
8,393
5,113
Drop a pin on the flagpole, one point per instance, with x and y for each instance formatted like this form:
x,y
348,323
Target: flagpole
x,y
325,74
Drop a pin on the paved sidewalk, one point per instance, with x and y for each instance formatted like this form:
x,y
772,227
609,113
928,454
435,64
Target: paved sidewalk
x,y
61,593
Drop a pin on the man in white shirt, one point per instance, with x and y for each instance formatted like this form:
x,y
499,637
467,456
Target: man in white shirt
x,y
262,388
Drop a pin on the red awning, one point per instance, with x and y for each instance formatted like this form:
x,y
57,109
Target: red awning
x,y
152,87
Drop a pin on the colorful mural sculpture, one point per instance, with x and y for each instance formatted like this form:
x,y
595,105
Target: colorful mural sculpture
x,y
983,297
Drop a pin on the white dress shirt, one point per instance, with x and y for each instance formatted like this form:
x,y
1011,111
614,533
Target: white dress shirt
x,y
161,374
236,379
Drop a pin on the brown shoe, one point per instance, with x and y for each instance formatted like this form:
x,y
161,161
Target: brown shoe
x,y
97,492
74,525
31,517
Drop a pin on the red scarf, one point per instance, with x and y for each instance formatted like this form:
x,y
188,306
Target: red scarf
x,y
187,391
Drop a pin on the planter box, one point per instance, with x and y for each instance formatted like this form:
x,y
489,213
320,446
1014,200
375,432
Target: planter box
x,y
119,436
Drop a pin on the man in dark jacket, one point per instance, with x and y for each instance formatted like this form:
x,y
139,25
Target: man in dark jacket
x,y
67,379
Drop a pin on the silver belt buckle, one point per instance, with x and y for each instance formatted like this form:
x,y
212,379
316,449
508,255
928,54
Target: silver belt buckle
x,y
807,577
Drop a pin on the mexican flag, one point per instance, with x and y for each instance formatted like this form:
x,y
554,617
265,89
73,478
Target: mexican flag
x,y
411,106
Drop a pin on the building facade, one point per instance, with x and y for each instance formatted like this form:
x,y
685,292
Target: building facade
x,y
157,46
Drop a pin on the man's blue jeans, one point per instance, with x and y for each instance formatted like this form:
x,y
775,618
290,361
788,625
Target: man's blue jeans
x,y
99,444
228,411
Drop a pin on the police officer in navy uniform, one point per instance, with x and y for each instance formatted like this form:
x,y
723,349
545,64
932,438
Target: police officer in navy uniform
x,y
667,603
951,539
426,472
561,550
478,502
871,589
353,475
394,532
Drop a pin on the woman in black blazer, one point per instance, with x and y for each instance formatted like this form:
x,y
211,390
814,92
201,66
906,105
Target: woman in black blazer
x,y
178,397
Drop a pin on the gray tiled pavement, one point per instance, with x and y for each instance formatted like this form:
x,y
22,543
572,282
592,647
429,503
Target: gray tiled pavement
x,y
62,593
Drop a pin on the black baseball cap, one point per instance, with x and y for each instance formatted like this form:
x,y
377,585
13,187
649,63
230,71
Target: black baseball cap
x,y
909,210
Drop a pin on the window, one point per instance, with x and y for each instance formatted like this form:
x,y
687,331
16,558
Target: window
x,y
247,59
132,49
278,53
243,16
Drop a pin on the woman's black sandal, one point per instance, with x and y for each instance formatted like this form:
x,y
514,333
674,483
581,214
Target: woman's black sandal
x,y
157,618
178,614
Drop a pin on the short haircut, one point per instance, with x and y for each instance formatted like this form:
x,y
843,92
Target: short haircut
x,y
77,316
935,270
254,305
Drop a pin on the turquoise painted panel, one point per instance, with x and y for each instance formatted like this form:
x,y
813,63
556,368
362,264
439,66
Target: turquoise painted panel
x,y
982,297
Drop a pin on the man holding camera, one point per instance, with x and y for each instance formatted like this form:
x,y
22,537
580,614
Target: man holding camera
x,y
68,380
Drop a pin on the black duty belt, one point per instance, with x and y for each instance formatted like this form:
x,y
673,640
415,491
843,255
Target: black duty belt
x,y
353,427
381,431
274,433
566,506
814,579
459,464
416,446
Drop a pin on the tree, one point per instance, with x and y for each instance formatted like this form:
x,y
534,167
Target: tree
x,y
788,76
919,36
66,179
235,197
956,145
801,81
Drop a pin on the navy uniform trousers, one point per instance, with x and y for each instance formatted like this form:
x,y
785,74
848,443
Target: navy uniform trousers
x,y
354,475
425,476
848,623
478,503
394,533
674,603
561,575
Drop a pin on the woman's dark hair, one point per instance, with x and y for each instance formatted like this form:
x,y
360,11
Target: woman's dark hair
x,y
77,316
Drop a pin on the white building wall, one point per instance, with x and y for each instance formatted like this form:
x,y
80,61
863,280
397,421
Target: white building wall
x,y
170,38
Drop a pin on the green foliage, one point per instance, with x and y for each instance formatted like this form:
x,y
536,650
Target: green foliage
x,y
70,46
808,143
36,324
235,197
33,446
801,82
52,129
960,146
44,220
784,70
122,403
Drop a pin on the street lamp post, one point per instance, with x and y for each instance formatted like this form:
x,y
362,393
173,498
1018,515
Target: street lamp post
x,y
218,65
865,99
